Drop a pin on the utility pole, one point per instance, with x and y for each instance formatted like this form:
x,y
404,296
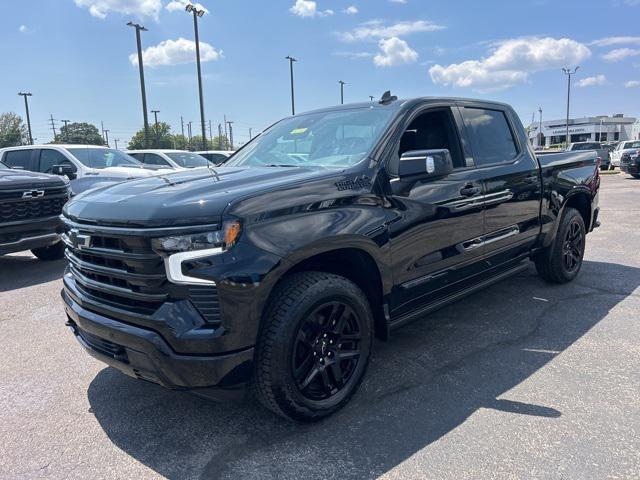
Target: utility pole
x,y
342,84
210,133
155,114
26,107
143,91
230,134
226,135
116,140
189,130
66,129
106,136
53,125
250,137
540,133
220,136
182,128
569,73
371,97
102,130
196,14
293,101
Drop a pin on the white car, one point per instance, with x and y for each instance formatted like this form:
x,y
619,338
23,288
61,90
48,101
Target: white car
x,y
175,159
630,146
86,166
216,157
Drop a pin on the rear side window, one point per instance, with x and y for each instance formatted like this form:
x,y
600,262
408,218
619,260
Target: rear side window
x,y
18,158
153,159
489,134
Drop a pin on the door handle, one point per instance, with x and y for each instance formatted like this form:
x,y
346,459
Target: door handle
x,y
470,191
531,179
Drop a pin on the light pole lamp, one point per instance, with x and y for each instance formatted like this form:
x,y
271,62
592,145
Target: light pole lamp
x,y
293,101
342,84
568,72
140,28
197,14
26,107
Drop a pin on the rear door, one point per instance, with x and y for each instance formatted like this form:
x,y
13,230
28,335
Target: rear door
x,y
435,241
24,158
510,178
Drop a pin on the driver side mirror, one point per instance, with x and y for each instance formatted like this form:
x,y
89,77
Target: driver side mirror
x,y
64,170
425,164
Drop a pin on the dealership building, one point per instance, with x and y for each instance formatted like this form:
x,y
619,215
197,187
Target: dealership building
x,y
601,128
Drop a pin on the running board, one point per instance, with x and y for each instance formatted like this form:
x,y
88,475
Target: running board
x,y
410,317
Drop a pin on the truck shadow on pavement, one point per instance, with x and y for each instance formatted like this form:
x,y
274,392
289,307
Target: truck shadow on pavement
x,y
421,385
20,271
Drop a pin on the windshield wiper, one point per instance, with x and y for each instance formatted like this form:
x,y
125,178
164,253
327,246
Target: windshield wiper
x,y
281,165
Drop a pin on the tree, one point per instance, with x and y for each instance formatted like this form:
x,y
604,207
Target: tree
x,y
162,138
13,132
218,143
79,133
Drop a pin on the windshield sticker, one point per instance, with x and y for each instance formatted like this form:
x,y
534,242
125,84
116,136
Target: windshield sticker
x,y
298,131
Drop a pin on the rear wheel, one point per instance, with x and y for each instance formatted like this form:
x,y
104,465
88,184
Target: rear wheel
x,y
52,252
561,261
314,346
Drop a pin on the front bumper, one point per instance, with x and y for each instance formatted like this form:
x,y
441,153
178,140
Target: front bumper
x,y
632,167
144,354
29,234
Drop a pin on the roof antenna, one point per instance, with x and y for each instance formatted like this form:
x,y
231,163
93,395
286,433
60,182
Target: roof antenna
x,y
387,98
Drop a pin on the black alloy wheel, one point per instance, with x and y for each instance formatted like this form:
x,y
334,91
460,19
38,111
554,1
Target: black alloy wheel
x,y
573,247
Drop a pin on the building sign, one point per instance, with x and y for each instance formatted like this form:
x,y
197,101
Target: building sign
x,y
571,130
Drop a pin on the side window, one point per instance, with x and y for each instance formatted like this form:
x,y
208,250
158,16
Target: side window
x,y
433,130
49,158
19,158
216,158
137,156
154,159
489,134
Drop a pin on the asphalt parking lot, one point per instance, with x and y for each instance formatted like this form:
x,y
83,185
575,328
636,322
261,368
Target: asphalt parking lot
x,y
524,380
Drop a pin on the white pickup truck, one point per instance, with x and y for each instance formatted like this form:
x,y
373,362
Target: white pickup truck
x,y
86,166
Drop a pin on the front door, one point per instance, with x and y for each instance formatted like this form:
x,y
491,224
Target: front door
x,y
436,240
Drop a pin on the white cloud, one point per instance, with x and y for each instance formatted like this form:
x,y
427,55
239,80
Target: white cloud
x,y
510,63
140,8
352,10
352,55
632,84
309,9
376,29
399,1
609,41
619,54
23,29
592,81
174,52
394,51
180,5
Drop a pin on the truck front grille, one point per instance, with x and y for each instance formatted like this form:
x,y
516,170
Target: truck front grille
x,y
14,207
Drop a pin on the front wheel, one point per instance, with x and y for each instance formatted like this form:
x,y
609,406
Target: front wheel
x,y
52,252
560,262
314,346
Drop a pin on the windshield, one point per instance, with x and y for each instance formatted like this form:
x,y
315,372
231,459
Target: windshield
x,y
103,157
3,166
326,139
187,159
631,145
585,146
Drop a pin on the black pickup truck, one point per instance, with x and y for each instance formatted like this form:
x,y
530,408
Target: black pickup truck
x,y
30,208
331,227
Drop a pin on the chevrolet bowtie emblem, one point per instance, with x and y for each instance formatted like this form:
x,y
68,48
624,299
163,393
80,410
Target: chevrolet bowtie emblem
x,y
33,194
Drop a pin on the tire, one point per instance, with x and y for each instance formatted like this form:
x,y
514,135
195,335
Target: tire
x,y
52,252
560,262
635,175
300,332
604,167
612,167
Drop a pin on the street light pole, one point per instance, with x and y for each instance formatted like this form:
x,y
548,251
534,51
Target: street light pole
x,y
199,13
540,134
230,123
600,134
26,107
293,102
140,28
155,115
106,136
66,130
371,97
568,72
342,84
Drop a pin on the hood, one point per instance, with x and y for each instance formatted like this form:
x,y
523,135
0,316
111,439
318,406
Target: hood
x,y
16,179
190,197
123,172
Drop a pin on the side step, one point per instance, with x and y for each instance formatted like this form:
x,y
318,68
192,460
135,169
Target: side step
x,y
410,317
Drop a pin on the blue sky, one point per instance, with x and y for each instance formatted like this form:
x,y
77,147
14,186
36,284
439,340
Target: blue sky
x,y
74,56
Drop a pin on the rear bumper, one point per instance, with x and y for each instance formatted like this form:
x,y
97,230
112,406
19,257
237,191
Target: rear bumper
x,y
632,168
29,234
143,354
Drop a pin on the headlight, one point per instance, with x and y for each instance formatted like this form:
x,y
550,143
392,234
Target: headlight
x,y
225,239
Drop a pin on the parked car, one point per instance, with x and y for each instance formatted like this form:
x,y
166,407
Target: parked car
x,y
335,226
216,157
630,163
86,166
601,151
174,159
30,208
624,147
